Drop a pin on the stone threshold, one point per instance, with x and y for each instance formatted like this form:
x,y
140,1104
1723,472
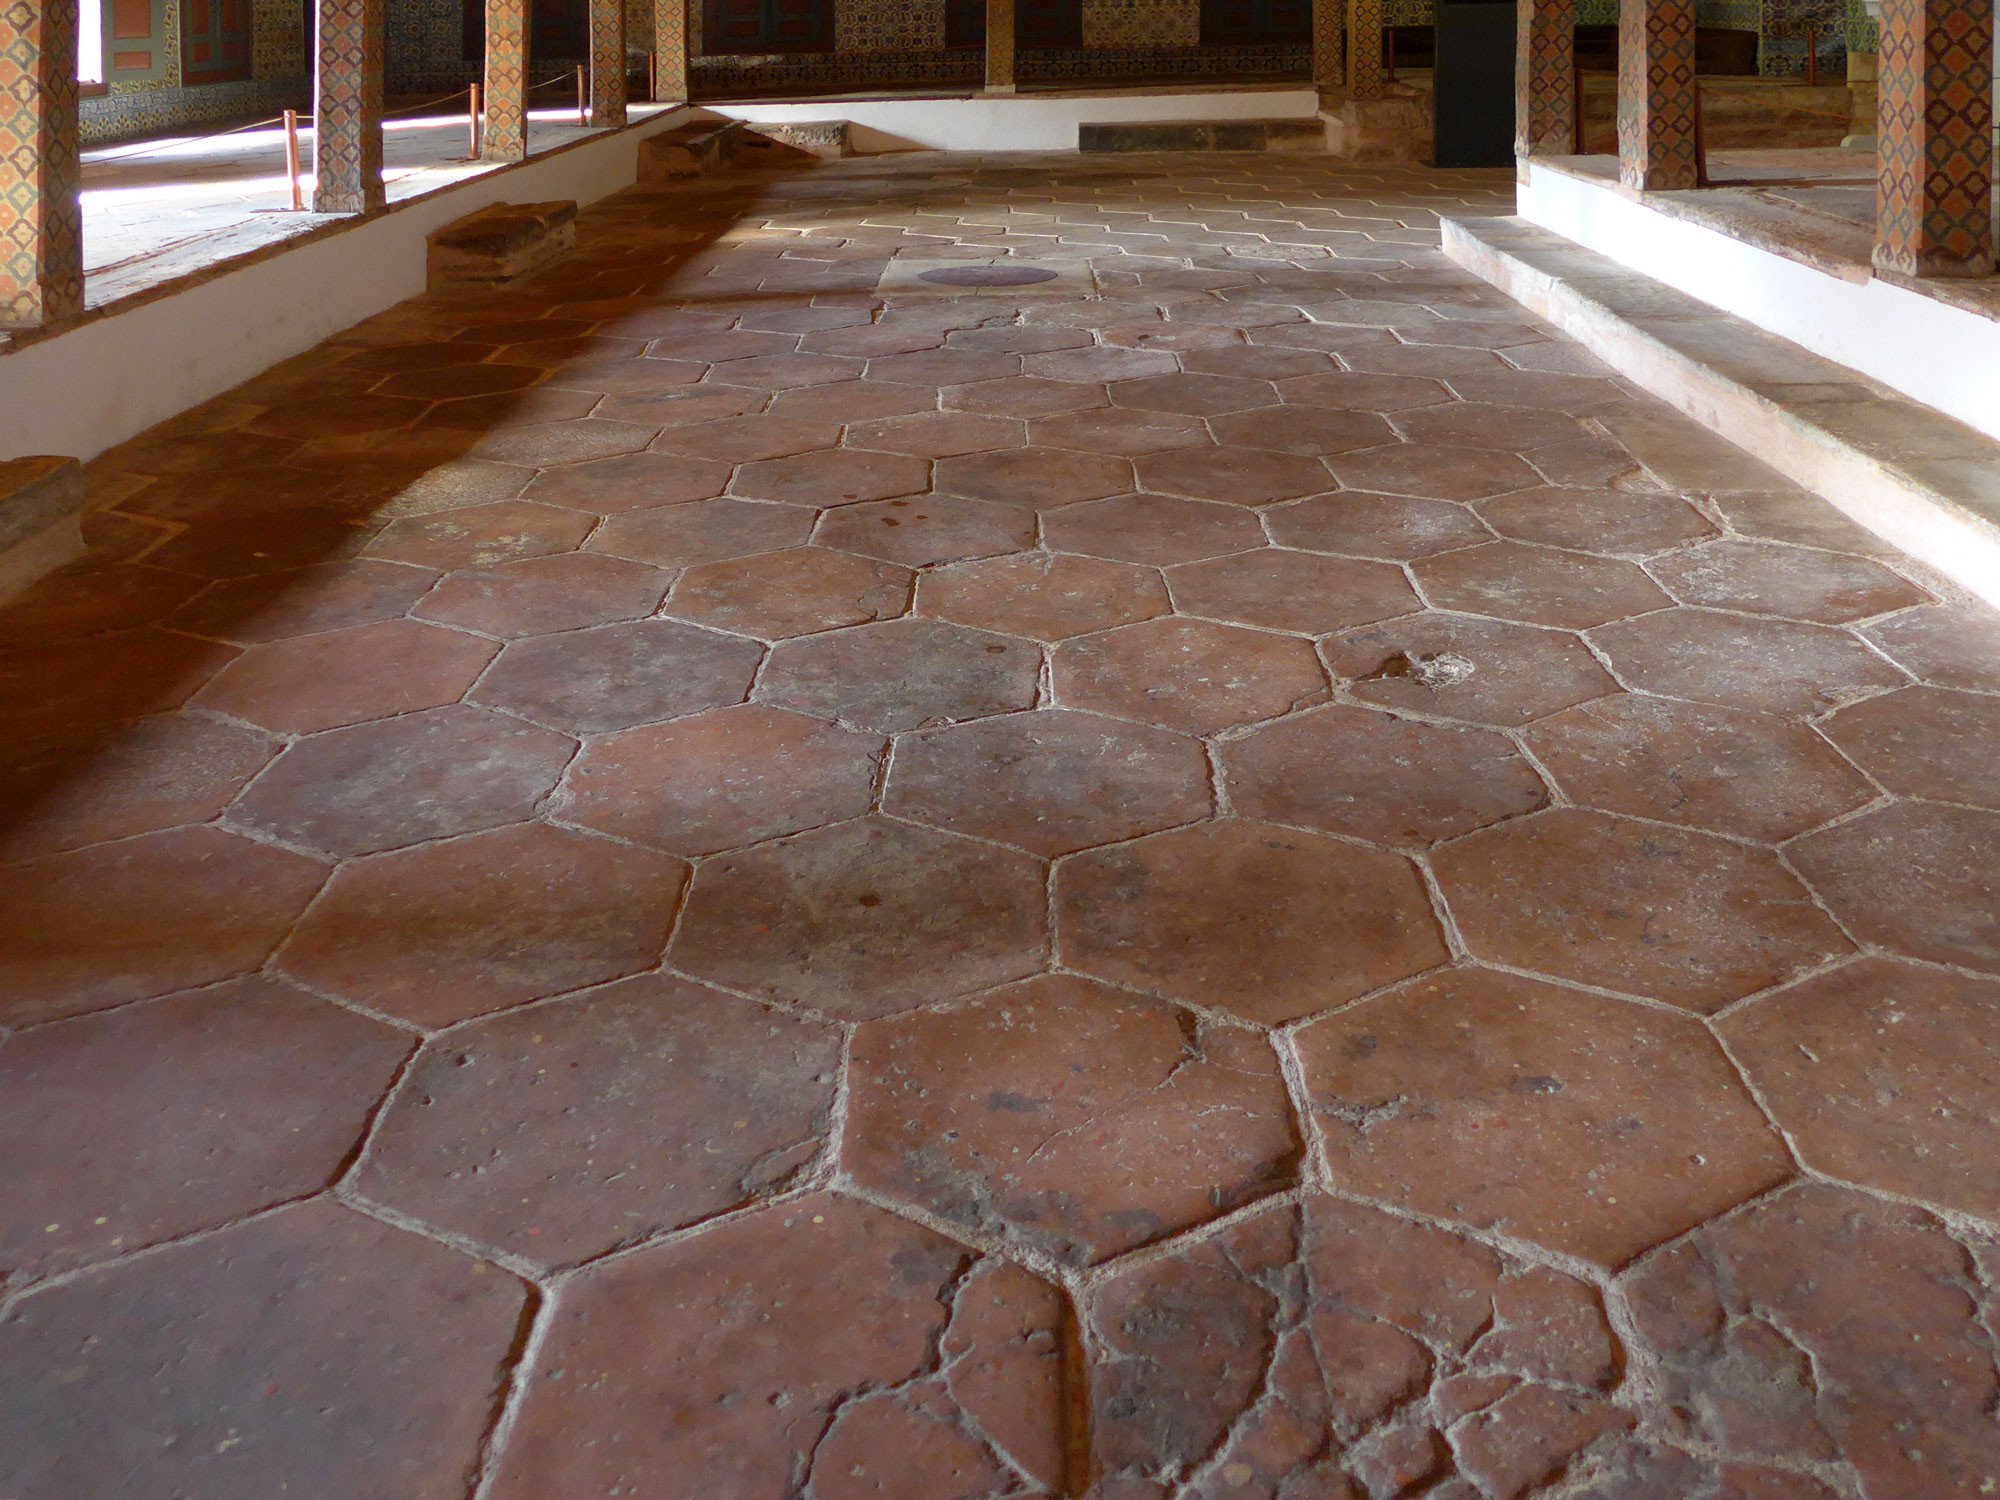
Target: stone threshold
x,y
1915,477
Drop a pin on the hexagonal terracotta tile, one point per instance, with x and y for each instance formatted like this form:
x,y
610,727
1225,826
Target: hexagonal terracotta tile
x,y
1194,395
853,401
1591,1126
1925,742
633,481
1801,1298
141,917
1023,396
1313,432
1049,782
1752,775
343,677
864,919
1348,391
1235,476
1621,523
939,434
1474,424
77,601
1397,528
683,536
537,1132
404,780
722,779
1434,471
71,790
1883,1073
481,535
1267,923
1293,591
1949,646
616,676
821,1334
542,445
1459,667
743,440
927,529
1042,595
1942,865
1377,777
176,1115
305,601
1256,361
1780,666
1320,1349
302,1331
1538,585
1152,529
779,594
1187,674
470,925
1801,583
782,372
1121,1120
944,367
1676,916
545,594
833,476
902,674
1036,478
1118,430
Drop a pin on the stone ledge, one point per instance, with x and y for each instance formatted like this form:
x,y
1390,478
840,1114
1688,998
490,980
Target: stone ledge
x,y
696,149
1284,134
41,518
1915,477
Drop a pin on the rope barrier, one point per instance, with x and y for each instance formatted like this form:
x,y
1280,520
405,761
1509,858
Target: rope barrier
x,y
187,140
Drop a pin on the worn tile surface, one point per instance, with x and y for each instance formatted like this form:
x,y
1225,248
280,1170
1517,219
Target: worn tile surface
x,y
687,880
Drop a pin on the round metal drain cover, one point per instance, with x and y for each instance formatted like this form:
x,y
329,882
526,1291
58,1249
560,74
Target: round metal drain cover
x,y
987,275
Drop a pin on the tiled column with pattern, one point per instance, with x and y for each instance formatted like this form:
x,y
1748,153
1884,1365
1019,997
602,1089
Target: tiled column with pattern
x,y
506,135
1545,95
670,50
1365,76
999,46
607,63
1659,102
347,125
1934,140
41,218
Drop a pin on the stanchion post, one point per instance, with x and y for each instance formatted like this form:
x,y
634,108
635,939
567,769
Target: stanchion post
x,y
1812,56
292,157
582,96
472,124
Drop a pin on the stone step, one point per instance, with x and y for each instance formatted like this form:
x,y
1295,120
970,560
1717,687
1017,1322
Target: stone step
x,y
1288,134
41,518
1915,477
501,242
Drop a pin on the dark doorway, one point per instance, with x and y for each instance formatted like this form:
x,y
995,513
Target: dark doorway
x,y
1255,23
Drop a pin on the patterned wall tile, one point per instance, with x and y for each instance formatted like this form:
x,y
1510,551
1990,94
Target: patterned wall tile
x,y
1659,102
347,134
607,63
1366,77
1545,78
871,26
1141,23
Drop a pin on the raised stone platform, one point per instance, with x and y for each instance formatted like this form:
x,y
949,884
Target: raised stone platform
x,y
1919,479
502,242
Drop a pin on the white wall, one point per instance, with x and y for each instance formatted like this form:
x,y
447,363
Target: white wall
x,y
108,379
1943,356
1021,122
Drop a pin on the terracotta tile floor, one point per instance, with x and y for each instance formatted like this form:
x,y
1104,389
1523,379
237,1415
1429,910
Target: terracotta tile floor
x,y
678,883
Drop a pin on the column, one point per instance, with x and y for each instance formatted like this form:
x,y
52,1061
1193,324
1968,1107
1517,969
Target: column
x,y
999,46
1326,21
1659,102
670,50
607,63
506,95
41,171
347,124
1934,146
1545,92
1365,76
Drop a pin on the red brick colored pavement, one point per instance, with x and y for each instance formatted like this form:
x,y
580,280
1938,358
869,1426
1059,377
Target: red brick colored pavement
x,y
687,881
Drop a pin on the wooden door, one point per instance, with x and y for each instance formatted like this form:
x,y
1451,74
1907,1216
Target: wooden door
x,y
215,41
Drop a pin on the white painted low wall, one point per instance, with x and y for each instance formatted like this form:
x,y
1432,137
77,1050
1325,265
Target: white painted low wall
x,y
111,378
1943,356
1020,122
